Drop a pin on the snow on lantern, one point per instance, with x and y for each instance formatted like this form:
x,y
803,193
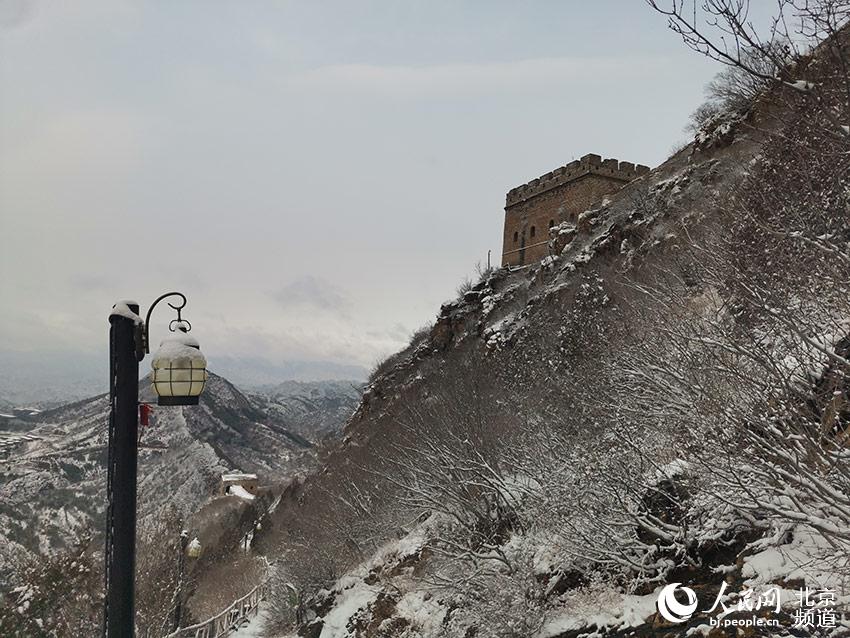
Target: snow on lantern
x,y
179,368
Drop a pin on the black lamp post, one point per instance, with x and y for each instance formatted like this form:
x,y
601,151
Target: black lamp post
x,y
178,378
181,566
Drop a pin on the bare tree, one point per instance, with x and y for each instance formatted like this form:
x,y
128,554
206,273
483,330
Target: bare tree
x,y
803,38
734,90
449,460
157,573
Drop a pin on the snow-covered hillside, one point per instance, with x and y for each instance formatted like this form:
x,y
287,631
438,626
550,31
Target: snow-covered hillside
x,y
53,478
313,409
661,402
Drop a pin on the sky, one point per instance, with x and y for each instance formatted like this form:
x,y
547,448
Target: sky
x,y
316,177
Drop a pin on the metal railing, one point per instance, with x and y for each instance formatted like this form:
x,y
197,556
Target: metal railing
x,y
228,620
526,247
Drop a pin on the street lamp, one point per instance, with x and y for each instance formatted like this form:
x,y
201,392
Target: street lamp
x,y
195,548
181,566
187,550
179,369
179,375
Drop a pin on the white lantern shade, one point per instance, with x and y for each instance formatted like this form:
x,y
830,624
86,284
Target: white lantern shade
x,y
179,370
194,548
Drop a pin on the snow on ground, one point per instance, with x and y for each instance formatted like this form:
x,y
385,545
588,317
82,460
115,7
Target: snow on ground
x,y
605,608
423,612
256,628
808,556
347,605
353,593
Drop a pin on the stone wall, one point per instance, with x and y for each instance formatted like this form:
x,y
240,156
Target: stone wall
x,y
561,195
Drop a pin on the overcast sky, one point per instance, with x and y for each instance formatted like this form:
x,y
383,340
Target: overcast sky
x,y
317,177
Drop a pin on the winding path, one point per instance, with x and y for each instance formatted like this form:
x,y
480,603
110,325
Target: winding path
x,y
228,621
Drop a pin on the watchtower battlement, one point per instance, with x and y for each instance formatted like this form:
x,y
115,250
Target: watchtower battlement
x,y
590,164
558,196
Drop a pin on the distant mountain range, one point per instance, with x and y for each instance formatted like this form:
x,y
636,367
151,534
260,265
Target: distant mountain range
x,y
53,464
312,409
252,373
51,379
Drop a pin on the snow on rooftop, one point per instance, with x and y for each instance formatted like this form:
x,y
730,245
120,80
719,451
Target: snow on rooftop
x,y
801,85
238,476
241,492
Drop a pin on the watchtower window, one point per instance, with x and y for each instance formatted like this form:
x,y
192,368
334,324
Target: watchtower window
x,y
533,231
516,237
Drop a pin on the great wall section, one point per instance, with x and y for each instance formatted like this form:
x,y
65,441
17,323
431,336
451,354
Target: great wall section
x,y
556,197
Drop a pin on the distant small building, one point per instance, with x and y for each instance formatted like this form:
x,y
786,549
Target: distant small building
x,y
556,197
247,482
25,412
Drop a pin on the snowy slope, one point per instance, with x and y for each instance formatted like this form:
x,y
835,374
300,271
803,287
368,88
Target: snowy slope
x,y
52,481
313,409
586,384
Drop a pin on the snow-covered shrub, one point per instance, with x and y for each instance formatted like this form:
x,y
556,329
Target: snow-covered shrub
x,y
449,460
58,596
734,89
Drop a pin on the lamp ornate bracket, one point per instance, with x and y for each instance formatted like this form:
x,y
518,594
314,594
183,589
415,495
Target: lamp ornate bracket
x,y
175,324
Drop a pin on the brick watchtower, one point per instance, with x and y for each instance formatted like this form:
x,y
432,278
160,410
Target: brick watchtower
x,y
533,208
